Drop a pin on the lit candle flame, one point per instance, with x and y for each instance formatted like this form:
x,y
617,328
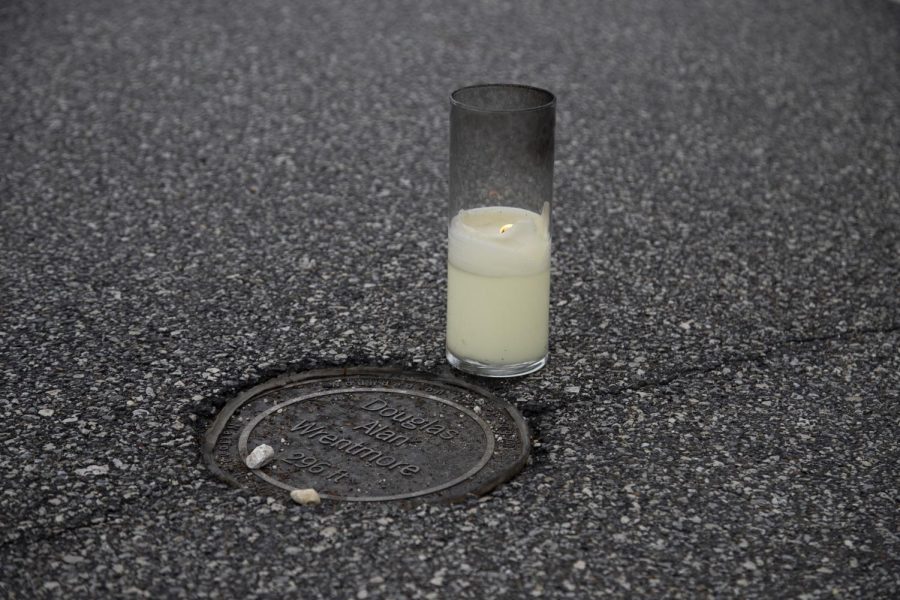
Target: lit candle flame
x,y
506,228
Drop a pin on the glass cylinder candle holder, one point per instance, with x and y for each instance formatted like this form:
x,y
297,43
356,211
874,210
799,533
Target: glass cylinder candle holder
x,y
501,189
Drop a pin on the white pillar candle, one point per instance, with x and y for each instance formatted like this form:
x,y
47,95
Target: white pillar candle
x,y
498,286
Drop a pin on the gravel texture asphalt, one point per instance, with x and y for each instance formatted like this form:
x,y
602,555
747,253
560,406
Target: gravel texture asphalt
x,y
198,195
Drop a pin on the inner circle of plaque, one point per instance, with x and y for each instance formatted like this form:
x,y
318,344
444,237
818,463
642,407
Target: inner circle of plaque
x,y
485,428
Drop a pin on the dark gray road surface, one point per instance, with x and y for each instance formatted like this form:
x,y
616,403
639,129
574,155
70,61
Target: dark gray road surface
x,y
197,195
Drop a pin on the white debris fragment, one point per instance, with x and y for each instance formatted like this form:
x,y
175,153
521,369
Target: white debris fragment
x,y
46,412
260,456
307,496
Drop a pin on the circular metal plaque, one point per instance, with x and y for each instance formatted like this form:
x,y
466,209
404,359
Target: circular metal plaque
x,y
369,435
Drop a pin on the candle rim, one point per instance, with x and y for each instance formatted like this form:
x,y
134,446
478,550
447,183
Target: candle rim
x,y
455,101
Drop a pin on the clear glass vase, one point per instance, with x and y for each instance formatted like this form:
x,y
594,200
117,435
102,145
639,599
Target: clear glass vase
x,y
501,190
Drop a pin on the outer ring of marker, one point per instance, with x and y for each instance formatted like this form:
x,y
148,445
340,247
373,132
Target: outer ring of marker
x,y
298,379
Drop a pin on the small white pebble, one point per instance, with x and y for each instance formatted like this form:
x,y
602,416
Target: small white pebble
x,y
261,455
580,565
46,412
93,470
307,496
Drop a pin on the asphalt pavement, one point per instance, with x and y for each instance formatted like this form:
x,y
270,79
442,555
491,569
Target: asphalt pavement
x,y
195,196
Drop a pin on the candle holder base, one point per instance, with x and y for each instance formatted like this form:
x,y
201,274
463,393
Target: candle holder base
x,y
488,370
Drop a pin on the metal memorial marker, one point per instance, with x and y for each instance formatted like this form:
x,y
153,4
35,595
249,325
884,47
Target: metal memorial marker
x,y
371,435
